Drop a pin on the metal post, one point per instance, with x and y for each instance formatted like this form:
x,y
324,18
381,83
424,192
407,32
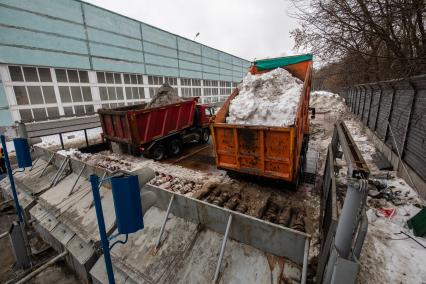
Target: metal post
x,y
102,231
11,180
85,136
62,141
305,262
349,216
35,162
59,171
47,165
157,244
76,180
222,249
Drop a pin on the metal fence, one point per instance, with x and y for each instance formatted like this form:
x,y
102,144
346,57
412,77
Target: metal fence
x,y
396,111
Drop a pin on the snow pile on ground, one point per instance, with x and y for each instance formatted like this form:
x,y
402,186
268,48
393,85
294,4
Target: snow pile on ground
x,y
324,101
165,95
74,137
267,99
388,255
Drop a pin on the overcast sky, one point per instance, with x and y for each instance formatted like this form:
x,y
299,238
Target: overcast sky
x,y
246,28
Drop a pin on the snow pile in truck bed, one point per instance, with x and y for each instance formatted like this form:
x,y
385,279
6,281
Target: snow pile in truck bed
x,y
267,99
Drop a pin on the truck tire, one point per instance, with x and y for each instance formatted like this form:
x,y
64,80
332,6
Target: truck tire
x,y
174,147
205,136
158,152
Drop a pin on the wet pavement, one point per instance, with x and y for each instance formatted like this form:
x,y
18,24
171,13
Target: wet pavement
x,y
196,156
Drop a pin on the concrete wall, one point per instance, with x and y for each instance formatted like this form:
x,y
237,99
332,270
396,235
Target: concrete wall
x,y
74,34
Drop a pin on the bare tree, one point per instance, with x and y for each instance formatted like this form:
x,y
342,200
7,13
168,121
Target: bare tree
x,y
365,40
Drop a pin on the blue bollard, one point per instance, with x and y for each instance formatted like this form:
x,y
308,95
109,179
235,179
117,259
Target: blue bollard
x,y
127,204
22,150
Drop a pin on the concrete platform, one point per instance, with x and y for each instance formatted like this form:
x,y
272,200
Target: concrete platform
x,y
189,254
190,244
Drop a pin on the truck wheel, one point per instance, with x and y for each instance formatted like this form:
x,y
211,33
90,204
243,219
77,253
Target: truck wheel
x,y
174,147
158,152
205,136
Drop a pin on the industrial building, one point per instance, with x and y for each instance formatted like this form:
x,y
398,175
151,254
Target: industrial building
x,y
67,57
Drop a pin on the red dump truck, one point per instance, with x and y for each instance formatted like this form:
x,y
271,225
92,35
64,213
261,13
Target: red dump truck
x,y
159,131
267,151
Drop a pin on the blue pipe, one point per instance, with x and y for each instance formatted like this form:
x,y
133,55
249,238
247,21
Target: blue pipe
x,y
94,180
11,180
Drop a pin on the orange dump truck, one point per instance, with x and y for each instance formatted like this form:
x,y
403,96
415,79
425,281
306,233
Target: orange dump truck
x,y
267,151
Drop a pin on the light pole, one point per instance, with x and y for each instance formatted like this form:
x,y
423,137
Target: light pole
x,y
196,35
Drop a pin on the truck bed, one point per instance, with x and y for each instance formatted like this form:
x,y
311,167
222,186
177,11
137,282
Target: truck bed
x,y
272,152
137,125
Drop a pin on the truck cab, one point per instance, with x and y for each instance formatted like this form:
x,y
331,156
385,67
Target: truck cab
x,y
203,115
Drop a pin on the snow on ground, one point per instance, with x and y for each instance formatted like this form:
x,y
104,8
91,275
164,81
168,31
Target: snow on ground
x,y
267,99
327,102
329,107
74,137
389,256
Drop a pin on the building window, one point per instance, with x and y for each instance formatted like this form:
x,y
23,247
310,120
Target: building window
x,y
61,75
26,114
34,93
49,94
21,95
30,74
75,92
44,74
16,73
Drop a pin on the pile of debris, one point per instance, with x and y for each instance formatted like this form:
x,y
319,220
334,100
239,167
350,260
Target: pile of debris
x,y
175,184
267,99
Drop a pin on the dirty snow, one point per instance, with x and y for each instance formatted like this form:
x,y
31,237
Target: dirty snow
x,y
74,137
324,101
267,99
389,256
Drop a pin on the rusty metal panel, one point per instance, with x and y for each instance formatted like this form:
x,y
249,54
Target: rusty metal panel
x,y
258,150
415,148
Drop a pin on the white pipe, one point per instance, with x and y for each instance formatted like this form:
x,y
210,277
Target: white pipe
x,y
222,249
157,244
43,267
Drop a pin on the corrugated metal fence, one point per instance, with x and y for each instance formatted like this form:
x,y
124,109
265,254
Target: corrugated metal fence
x,y
396,111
